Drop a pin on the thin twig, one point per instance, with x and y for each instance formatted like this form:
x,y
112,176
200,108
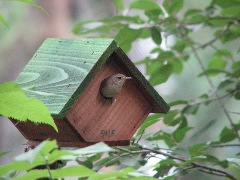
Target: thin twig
x,y
48,167
139,138
207,169
121,155
225,18
216,37
213,99
213,173
238,113
200,62
225,145
132,152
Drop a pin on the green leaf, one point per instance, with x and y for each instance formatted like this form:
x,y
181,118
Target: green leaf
x,y
15,104
123,20
213,72
225,83
3,21
197,149
236,66
192,12
238,86
86,163
218,22
108,161
231,34
161,75
130,160
177,66
173,6
119,4
179,134
79,28
192,160
227,135
154,14
30,2
216,161
164,166
148,122
224,52
145,34
41,150
72,171
144,5
195,19
204,128
178,102
113,174
217,63
226,4
180,46
167,138
96,148
156,35
237,95
169,117
126,36
190,109
231,11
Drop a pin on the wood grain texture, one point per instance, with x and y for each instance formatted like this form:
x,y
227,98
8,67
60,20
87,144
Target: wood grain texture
x,y
81,144
39,132
98,119
60,70
158,103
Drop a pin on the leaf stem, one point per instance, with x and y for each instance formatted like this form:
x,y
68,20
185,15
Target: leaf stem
x,y
48,167
209,43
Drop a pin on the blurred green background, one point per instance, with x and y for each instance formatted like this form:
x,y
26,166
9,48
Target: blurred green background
x,y
30,26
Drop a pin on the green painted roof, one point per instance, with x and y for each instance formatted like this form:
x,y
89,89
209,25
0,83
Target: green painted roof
x,y
61,69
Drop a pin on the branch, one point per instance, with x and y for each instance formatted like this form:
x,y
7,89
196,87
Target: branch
x,y
121,155
216,37
225,145
213,99
48,167
238,113
200,62
204,168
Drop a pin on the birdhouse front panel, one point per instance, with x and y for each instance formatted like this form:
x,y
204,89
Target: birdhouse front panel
x,y
99,119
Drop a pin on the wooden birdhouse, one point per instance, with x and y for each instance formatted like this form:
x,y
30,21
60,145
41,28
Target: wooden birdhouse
x,y
66,74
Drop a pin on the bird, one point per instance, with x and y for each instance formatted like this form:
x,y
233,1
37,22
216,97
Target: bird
x,y
112,85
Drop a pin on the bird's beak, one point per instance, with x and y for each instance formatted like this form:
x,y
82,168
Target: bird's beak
x,y
128,77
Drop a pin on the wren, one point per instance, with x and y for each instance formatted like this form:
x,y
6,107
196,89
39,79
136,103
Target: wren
x,y
112,85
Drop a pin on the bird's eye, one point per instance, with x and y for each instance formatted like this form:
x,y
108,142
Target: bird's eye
x,y
119,77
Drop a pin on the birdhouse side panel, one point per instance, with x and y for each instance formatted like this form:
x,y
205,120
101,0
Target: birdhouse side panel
x,y
99,119
39,132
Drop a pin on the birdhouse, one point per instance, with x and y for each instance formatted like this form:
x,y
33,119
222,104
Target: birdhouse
x,y
66,75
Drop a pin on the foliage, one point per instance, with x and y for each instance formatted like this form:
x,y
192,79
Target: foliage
x,y
15,104
30,2
164,154
47,153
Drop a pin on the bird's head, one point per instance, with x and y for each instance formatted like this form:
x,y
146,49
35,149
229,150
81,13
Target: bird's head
x,y
119,79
